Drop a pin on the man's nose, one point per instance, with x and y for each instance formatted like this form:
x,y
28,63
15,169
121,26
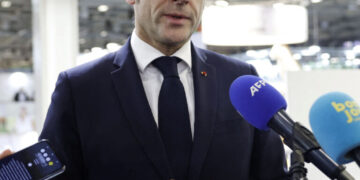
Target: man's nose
x,y
181,1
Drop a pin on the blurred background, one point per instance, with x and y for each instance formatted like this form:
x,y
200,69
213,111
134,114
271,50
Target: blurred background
x,y
304,48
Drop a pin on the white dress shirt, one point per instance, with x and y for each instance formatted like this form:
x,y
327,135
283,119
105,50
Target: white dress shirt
x,y
152,78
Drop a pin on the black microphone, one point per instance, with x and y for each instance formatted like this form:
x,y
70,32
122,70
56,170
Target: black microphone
x,y
263,107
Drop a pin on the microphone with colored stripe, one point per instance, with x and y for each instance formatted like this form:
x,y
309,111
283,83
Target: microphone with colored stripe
x,y
335,121
264,107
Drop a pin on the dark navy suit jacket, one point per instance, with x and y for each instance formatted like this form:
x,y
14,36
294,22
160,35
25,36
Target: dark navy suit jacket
x,y
101,124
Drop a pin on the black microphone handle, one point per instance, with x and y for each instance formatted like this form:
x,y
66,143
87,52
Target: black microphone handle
x,y
355,154
298,137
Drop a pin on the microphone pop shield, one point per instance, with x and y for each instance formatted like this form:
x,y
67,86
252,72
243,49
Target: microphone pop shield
x,y
256,100
335,121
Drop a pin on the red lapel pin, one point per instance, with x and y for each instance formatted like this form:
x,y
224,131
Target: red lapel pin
x,y
203,73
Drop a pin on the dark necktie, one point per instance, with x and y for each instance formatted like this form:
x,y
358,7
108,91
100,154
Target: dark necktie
x,y
174,123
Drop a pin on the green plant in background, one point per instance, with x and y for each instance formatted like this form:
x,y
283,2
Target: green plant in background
x,y
6,124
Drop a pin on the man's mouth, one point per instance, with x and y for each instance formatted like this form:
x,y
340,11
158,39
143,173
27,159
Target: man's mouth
x,y
177,16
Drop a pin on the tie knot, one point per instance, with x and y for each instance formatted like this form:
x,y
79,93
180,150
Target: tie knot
x,y
167,65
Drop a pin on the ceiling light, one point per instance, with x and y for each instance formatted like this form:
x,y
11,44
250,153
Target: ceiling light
x,y
307,52
5,4
103,8
356,49
325,56
221,3
350,54
316,1
18,80
315,49
103,33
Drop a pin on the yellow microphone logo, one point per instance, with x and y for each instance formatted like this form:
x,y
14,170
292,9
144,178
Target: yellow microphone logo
x,y
350,108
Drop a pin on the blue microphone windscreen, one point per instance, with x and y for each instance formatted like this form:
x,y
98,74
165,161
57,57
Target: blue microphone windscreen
x,y
256,100
335,121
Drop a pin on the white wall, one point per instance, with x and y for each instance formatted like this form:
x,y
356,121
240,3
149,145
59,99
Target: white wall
x,y
304,87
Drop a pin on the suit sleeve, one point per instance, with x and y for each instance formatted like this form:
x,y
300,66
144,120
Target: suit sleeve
x,y
268,158
253,70
61,130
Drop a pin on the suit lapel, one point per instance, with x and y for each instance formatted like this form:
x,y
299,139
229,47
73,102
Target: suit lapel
x,y
205,87
133,100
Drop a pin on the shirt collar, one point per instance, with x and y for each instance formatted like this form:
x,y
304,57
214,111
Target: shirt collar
x,y
144,53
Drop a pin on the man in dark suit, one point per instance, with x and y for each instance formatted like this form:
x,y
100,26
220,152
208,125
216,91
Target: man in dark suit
x,y
104,116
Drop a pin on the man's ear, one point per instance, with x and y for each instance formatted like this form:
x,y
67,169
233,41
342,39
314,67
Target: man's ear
x,y
132,2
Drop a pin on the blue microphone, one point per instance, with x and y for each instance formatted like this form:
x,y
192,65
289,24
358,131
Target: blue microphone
x,y
335,121
264,107
256,100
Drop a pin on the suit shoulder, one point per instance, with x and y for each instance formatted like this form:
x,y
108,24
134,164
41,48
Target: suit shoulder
x,y
96,66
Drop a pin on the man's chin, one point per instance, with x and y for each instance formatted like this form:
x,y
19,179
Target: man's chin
x,y
177,38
